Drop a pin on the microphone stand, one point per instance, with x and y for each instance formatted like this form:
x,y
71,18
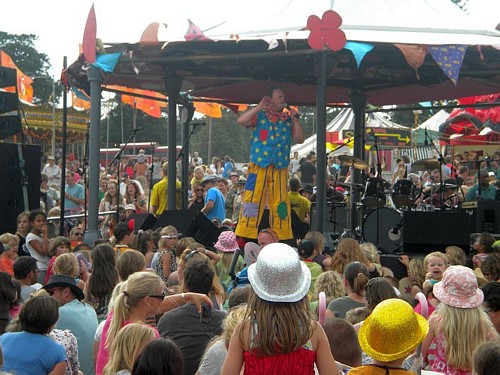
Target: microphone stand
x,y
441,181
379,186
118,158
151,172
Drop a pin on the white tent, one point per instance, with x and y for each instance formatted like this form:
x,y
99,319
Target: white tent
x,y
345,121
433,122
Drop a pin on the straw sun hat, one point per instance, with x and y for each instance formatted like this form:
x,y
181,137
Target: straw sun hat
x,y
392,331
279,275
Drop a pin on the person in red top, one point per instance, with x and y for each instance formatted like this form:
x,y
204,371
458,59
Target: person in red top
x,y
57,246
265,342
7,257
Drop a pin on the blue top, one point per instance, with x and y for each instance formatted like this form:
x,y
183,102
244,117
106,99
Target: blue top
x,y
474,193
30,353
81,319
76,191
228,169
219,209
271,142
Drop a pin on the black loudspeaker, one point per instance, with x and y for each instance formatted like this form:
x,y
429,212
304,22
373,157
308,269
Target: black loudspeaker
x,y
424,232
20,182
190,224
204,231
392,262
335,217
9,125
142,221
180,219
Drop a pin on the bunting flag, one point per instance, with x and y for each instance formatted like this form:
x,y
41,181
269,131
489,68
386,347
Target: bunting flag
x,y
194,33
80,101
359,50
149,106
89,37
24,82
450,59
107,61
213,110
414,55
150,34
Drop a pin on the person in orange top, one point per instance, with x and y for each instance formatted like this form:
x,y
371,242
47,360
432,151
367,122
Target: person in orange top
x,y
8,252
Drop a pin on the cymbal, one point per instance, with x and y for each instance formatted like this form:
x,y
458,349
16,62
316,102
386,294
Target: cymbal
x,y
446,186
424,164
355,187
351,161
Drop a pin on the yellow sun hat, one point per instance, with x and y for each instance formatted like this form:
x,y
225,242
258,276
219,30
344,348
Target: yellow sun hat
x,y
392,331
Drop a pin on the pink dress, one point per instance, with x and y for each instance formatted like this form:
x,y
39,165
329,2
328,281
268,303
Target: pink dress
x,y
440,364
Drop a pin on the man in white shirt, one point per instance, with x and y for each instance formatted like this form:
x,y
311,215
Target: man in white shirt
x,y
52,171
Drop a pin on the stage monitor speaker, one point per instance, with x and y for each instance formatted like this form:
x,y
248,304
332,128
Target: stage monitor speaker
x,y
20,182
425,232
180,219
204,231
142,221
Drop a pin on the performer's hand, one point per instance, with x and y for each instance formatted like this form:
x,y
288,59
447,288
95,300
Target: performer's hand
x,y
264,103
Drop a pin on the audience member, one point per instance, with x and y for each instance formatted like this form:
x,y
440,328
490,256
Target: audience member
x,y
31,351
280,283
37,242
460,302
75,315
486,358
184,325
159,357
491,302
343,341
130,262
26,272
227,245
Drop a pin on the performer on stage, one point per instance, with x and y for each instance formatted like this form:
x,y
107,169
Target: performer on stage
x,y
266,185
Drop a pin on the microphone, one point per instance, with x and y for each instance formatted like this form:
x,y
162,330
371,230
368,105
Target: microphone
x,y
297,115
137,129
426,141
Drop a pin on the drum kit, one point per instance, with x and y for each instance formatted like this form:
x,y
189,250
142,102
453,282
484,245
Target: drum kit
x,y
381,207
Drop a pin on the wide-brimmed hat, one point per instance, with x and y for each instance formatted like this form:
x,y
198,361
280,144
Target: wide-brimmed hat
x,y
130,207
227,242
242,180
279,275
392,331
64,281
459,288
50,157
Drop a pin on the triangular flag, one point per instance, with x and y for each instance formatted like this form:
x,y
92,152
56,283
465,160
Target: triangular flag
x,y
450,59
89,37
194,33
24,82
208,109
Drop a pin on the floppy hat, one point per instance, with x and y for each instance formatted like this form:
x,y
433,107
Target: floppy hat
x,y
64,281
130,207
459,288
227,242
242,180
392,331
279,275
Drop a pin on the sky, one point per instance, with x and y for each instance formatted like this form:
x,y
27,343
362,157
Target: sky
x,y
59,24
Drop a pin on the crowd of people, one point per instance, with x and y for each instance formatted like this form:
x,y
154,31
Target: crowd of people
x,y
266,298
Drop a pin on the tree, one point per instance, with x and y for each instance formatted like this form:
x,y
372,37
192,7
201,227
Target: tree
x,y
21,49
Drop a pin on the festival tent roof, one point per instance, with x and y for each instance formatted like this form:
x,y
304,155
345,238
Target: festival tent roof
x,y
345,121
433,122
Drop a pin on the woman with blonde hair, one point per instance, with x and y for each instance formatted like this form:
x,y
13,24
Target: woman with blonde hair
x,y
67,264
329,282
456,256
141,297
127,345
164,261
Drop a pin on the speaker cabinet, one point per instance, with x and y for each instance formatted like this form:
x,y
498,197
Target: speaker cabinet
x,y
19,182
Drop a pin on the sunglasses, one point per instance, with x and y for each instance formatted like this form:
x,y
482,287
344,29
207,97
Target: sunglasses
x,y
161,297
78,234
200,189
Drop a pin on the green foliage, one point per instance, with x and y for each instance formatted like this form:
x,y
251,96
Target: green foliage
x,y
21,48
